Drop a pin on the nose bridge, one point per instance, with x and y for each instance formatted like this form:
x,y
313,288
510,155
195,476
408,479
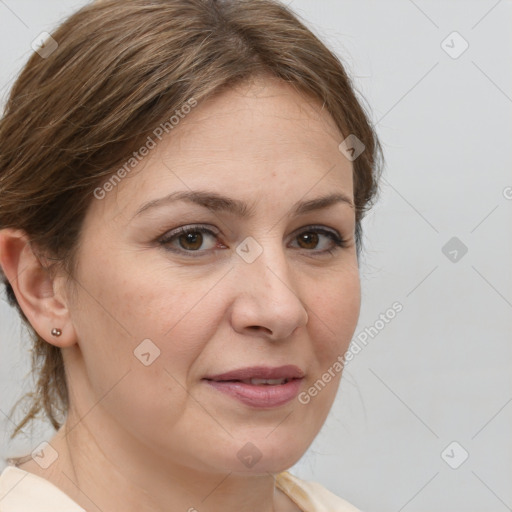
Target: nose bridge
x,y
270,267
274,301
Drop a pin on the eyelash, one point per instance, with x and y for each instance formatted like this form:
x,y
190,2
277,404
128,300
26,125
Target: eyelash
x,y
339,242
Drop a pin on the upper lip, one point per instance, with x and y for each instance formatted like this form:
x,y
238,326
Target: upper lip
x,y
260,372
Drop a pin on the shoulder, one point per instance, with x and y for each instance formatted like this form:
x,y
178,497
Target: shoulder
x,y
21,491
312,496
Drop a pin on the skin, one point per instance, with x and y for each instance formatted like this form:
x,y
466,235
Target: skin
x,y
142,437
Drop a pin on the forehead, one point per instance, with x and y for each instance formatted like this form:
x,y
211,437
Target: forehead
x,y
264,111
249,139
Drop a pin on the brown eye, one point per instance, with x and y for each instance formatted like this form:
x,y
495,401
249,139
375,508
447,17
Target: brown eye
x,y
191,241
200,241
308,240
319,240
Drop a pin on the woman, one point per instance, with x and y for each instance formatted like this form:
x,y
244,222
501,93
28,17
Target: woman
x,y
182,184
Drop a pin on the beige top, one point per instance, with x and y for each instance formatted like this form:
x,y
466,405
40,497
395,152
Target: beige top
x,y
21,491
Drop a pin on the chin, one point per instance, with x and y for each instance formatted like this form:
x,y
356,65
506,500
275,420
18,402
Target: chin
x,y
268,453
273,466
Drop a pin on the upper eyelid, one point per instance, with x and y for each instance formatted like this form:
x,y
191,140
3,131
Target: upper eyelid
x,y
214,231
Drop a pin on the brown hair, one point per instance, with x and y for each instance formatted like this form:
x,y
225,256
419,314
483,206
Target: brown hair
x,y
120,68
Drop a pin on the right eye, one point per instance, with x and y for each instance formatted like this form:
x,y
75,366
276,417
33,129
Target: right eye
x,y
188,240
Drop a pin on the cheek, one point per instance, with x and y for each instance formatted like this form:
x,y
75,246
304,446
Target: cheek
x,y
113,318
334,315
128,303
333,320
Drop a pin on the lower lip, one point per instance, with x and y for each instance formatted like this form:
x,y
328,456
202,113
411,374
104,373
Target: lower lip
x,y
263,396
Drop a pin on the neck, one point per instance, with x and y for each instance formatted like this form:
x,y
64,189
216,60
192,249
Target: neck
x,y
102,472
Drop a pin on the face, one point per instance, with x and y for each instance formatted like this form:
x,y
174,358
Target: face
x,y
238,269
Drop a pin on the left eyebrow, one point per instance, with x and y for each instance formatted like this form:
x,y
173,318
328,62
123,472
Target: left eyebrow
x,y
217,202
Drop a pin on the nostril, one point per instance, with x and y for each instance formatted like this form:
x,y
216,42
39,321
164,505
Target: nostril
x,y
259,328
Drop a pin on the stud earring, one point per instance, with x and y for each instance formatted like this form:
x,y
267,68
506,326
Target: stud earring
x,y
56,332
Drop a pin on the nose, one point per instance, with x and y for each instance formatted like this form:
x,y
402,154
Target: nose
x,y
267,300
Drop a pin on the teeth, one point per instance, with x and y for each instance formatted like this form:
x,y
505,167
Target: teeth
x,y
268,382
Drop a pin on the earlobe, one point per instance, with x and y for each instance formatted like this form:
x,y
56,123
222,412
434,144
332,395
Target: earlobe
x,y
43,303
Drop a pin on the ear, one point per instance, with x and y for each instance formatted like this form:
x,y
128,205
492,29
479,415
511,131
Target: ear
x,y
42,299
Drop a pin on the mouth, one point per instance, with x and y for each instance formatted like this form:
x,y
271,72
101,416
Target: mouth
x,y
261,382
260,373
260,387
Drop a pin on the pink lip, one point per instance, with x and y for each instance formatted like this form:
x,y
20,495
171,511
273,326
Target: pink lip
x,y
260,372
264,395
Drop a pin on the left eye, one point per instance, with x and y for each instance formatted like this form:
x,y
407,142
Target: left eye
x,y
191,239
313,236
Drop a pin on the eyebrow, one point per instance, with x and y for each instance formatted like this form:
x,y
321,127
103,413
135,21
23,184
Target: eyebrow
x,y
217,202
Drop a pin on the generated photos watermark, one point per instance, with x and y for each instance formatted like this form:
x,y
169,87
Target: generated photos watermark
x,y
353,349
151,143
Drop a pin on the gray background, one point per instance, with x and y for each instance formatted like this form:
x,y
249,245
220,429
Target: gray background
x,y
440,370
